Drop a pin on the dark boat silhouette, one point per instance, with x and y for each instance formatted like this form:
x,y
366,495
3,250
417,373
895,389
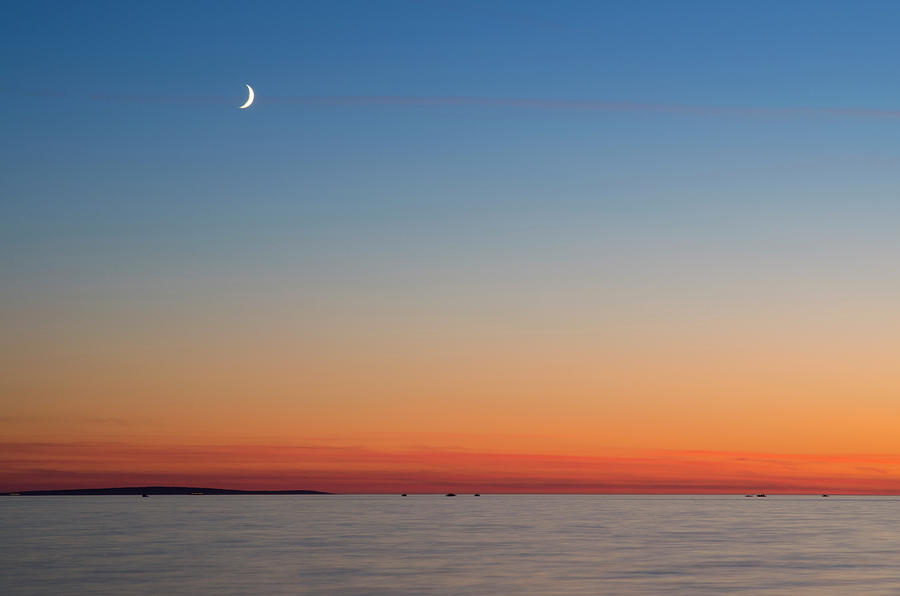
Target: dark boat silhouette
x,y
403,495
450,495
145,495
760,495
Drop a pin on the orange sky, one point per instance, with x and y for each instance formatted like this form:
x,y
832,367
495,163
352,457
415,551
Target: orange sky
x,y
389,399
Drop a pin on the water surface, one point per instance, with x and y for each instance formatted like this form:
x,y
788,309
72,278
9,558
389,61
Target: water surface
x,y
493,544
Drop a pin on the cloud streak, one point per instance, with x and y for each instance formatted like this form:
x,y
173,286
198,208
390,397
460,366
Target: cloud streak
x,y
576,105
353,469
466,101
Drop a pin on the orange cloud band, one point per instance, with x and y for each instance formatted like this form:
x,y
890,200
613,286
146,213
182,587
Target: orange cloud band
x,y
32,466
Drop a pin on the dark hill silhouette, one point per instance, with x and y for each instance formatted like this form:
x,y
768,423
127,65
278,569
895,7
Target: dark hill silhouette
x,y
161,490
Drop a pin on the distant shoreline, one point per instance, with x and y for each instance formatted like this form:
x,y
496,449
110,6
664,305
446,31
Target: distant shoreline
x,y
157,490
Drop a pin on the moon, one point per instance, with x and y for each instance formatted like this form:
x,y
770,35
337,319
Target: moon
x,y
249,98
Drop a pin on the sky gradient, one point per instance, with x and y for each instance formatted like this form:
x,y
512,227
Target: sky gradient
x,y
485,246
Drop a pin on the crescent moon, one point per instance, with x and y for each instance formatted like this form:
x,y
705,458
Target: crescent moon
x,y
249,98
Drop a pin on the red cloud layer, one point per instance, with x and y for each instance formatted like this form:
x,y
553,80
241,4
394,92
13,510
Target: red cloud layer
x,y
30,466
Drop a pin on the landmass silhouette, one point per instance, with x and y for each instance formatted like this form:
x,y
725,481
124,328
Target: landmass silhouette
x,y
160,490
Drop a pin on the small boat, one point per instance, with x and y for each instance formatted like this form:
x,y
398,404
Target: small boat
x,y
477,495
450,495
826,495
145,495
403,495
760,495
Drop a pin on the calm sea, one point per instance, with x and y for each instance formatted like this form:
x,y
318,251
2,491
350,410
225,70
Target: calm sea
x,y
494,544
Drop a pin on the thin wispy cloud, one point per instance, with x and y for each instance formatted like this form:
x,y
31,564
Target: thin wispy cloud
x,y
521,103
579,105
361,469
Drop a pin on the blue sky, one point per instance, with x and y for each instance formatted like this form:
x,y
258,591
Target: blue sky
x,y
89,171
125,158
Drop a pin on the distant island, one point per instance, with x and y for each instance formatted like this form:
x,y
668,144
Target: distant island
x,y
159,490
